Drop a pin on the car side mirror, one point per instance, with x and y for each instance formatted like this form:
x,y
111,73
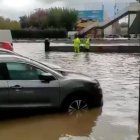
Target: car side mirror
x,y
46,77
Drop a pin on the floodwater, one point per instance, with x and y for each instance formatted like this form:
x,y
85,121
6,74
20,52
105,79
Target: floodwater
x,y
116,120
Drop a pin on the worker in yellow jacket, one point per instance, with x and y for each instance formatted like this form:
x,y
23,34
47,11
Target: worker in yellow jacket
x,y
76,44
87,43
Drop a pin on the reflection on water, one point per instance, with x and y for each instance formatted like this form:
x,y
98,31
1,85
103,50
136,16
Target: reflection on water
x,y
119,78
49,126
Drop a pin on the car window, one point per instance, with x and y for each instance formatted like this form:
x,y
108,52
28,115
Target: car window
x,y
21,71
3,72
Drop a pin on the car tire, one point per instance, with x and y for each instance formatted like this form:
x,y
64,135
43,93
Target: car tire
x,y
76,104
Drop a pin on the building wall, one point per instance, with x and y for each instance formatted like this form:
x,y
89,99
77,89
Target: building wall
x,y
108,31
116,28
98,33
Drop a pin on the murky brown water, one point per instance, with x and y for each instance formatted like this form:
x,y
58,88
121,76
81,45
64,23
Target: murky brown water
x,y
49,126
116,120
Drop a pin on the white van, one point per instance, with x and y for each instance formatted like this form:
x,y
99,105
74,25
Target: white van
x,y
5,36
6,40
71,34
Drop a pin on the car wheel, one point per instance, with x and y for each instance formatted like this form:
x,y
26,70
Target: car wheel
x,y
77,105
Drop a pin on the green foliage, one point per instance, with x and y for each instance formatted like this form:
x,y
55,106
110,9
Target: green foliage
x,y
52,18
9,24
38,18
24,22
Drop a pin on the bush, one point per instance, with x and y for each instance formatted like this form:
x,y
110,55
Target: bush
x,y
39,34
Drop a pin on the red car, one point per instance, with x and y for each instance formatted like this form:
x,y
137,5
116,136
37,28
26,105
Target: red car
x,y
6,45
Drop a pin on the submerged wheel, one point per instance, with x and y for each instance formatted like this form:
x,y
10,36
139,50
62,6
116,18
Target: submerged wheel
x,y
76,104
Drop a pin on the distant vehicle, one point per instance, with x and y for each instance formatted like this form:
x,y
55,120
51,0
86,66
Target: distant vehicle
x,y
126,36
25,83
113,36
71,34
6,40
6,45
5,36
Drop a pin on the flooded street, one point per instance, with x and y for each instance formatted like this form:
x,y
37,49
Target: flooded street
x,y
118,75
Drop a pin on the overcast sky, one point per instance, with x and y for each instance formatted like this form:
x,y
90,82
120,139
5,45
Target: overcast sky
x,y
13,9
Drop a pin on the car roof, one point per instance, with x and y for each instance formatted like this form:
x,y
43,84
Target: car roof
x,y
19,58
4,42
5,51
15,58
11,58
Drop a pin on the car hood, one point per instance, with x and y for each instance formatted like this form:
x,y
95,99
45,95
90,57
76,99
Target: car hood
x,y
69,74
77,76
74,75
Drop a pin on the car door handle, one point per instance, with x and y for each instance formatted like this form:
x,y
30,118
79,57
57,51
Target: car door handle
x,y
16,87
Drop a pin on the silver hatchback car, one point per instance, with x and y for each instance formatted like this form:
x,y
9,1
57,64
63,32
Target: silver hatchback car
x,y
25,83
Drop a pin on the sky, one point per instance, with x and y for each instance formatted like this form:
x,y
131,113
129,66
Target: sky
x,y
13,9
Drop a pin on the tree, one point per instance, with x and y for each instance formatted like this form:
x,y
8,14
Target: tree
x,y
70,18
62,18
9,24
38,18
24,21
52,18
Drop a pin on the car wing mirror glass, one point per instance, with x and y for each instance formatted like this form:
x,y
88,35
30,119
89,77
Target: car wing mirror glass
x,y
46,77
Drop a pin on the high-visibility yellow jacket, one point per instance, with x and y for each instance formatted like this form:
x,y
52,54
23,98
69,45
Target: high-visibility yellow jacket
x,y
87,43
76,42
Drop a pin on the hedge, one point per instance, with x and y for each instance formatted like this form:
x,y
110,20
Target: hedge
x,y
38,34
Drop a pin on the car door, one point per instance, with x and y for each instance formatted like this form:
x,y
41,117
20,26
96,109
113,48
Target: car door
x,y
4,89
27,89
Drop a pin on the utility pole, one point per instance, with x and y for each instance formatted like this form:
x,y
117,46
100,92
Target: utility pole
x,y
115,6
139,92
139,98
139,86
